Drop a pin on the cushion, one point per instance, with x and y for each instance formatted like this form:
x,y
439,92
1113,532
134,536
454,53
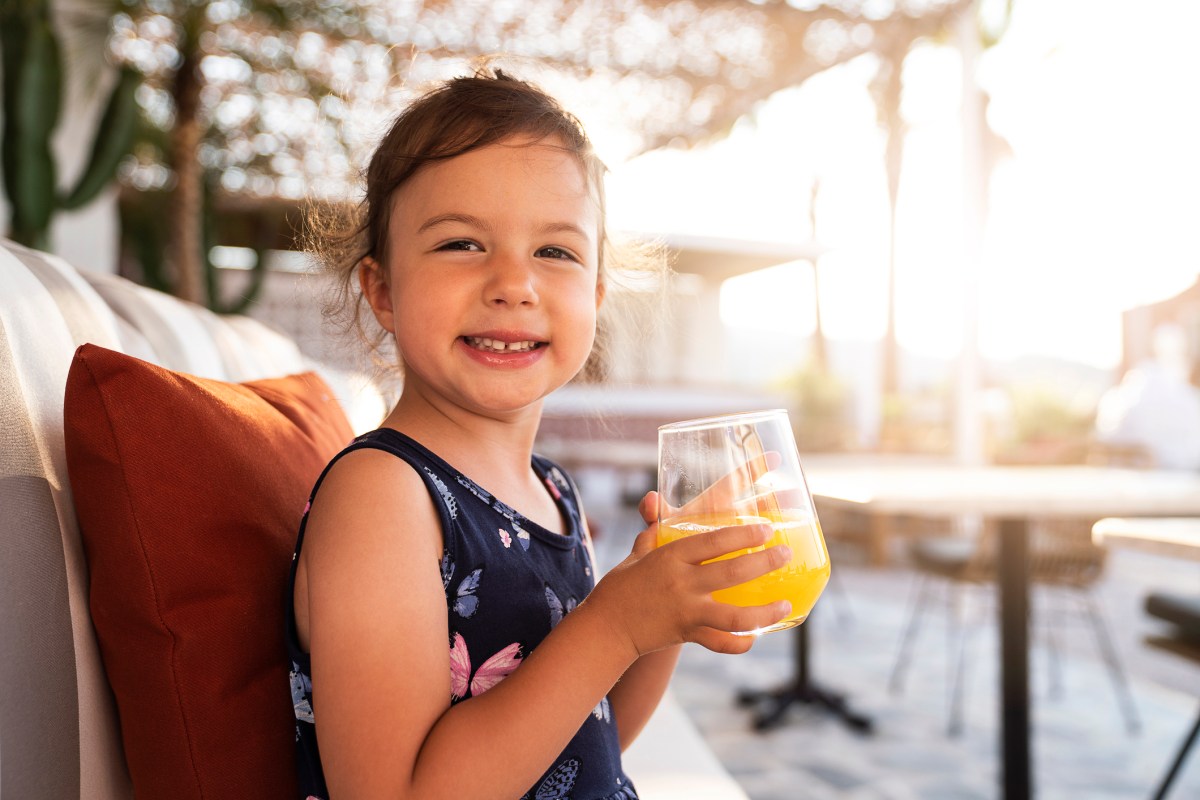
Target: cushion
x,y
189,492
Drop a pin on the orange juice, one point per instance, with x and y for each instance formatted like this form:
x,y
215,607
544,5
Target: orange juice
x,y
800,581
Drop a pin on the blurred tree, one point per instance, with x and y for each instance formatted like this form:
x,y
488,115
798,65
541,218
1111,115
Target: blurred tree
x,y
283,98
231,91
887,90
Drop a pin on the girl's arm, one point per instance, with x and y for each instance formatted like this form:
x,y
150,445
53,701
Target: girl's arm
x,y
639,691
374,617
637,694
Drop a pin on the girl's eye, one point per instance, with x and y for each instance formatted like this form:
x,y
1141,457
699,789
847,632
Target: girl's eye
x,y
556,252
461,245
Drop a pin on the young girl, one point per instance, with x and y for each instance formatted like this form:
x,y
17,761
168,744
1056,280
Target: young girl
x,y
441,641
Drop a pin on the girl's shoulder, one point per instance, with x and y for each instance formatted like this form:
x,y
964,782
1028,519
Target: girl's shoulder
x,y
385,449
368,505
380,473
368,454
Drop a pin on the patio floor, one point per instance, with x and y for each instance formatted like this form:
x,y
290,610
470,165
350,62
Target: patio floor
x,y
1081,747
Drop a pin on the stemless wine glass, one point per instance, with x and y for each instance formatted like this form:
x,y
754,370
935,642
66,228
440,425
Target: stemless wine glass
x,y
742,469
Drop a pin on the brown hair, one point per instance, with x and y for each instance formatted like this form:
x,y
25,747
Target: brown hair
x,y
460,115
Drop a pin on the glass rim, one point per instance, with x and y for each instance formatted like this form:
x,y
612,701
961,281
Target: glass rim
x,y
721,420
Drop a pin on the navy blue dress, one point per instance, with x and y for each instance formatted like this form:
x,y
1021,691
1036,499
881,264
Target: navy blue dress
x,y
508,582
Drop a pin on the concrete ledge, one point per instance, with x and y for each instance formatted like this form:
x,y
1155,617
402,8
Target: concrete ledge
x,y
671,761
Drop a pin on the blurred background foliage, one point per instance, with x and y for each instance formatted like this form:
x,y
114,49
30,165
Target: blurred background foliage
x,y
820,406
281,100
224,117
1045,426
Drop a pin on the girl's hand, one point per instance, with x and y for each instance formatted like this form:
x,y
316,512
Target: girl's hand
x,y
658,597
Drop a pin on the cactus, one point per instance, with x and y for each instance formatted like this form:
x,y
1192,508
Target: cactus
x,y
33,90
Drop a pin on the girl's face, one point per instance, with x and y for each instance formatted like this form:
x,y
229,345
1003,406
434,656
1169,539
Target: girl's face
x,y
490,277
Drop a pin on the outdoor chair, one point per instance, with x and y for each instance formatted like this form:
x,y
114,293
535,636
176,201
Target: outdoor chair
x,y
1062,559
1183,639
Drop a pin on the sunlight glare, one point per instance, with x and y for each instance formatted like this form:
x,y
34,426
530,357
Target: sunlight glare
x,y
1092,198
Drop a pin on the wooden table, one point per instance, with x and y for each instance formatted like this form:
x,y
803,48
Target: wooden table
x,y
1011,496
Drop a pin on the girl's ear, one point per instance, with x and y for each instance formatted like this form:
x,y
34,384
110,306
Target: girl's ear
x,y
373,280
600,288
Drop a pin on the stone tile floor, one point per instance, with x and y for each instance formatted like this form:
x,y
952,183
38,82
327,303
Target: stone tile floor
x,y
1081,747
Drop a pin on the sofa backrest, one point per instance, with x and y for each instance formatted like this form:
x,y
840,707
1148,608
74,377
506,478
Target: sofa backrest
x,y
58,726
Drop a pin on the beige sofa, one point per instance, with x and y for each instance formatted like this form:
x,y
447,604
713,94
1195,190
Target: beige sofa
x,y
59,731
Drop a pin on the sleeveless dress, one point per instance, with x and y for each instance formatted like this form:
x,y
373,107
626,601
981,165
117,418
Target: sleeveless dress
x,y
508,582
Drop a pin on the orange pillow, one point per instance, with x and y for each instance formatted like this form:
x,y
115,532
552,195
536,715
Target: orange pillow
x,y
189,493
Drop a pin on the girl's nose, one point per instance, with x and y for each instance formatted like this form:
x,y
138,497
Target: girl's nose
x,y
512,281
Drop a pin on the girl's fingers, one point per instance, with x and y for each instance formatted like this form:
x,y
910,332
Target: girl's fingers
x,y
648,508
723,541
739,569
731,618
722,641
646,540
725,619
735,484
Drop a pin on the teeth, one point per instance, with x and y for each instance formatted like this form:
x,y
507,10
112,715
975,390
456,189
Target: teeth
x,y
497,346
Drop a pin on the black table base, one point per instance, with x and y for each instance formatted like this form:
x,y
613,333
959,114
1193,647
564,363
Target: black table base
x,y
772,704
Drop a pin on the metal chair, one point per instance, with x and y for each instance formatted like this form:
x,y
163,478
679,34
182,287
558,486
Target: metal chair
x,y
1062,556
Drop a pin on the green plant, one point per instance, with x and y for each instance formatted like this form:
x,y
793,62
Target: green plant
x,y
1043,413
33,93
820,404
144,231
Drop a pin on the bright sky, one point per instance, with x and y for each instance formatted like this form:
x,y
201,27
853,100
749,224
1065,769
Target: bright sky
x,y
1094,210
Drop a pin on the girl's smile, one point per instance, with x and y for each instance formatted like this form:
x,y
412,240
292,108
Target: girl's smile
x,y
500,346
512,350
490,281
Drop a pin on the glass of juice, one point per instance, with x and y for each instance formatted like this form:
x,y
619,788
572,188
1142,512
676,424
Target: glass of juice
x,y
742,469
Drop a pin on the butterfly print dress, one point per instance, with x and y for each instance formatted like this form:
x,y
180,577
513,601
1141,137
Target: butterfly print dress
x,y
508,582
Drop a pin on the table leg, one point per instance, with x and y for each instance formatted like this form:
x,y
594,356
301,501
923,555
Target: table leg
x,y
1015,730
772,704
